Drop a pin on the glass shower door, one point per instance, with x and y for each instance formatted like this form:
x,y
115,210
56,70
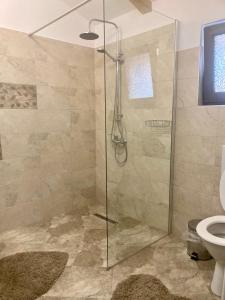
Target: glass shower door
x,y
139,117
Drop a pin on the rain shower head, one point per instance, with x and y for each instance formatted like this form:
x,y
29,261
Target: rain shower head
x,y
90,36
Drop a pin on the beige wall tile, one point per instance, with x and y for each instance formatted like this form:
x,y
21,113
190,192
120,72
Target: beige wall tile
x,y
83,120
198,148
56,98
17,70
196,176
187,92
48,165
200,121
188,63
16,44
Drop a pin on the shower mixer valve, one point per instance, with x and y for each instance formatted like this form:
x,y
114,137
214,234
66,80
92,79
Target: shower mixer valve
x,y
118,140
120,58
119,117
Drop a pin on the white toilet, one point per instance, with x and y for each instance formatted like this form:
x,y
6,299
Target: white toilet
x,y
212,233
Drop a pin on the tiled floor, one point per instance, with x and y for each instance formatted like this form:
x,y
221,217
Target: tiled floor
x,y
85,276
128,237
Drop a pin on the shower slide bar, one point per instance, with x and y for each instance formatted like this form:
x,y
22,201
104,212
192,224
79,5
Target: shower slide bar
x,y
60,17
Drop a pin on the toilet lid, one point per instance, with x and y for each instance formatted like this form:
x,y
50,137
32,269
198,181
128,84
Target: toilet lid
x,y
222,190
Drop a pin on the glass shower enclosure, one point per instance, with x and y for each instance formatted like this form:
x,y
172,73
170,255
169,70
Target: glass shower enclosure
x,y
135,128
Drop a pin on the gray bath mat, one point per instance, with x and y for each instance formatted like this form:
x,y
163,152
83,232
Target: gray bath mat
x,y
143,287
30,275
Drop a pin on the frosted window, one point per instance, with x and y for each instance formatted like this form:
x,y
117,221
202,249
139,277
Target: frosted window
x,y
139,76
219,63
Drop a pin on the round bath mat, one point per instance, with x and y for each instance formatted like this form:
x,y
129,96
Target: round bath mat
x,y
143,287
30,275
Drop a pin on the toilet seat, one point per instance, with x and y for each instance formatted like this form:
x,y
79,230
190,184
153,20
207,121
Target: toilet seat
x,y
202,230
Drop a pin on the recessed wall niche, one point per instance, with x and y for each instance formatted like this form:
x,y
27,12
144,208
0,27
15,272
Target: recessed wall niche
x,y
18,96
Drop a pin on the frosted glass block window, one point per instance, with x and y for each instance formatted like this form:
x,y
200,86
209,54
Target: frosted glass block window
x,y
139,77
219,63
212,66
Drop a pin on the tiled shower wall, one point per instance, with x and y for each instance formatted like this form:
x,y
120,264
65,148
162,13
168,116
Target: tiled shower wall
x,y
47,129
48,146
200,134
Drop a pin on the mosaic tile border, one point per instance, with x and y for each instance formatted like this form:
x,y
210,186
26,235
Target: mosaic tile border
x,y
18,96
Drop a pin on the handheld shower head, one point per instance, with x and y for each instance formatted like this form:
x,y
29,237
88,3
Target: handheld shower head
x,y
90,36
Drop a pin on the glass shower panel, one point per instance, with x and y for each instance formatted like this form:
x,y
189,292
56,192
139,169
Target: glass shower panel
x,y
139,115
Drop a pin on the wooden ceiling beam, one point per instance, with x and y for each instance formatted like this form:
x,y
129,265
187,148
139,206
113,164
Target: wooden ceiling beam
x,y
144,6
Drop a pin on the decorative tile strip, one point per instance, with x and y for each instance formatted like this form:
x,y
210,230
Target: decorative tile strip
x,y
18,96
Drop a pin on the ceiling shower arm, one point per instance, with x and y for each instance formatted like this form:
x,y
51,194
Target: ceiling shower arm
x,y
60,17
117,31
102,21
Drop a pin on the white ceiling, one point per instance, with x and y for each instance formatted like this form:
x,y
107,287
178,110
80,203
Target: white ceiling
x,y
28,15
113,8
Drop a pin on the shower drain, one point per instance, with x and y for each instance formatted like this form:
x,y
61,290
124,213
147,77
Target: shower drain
x,y
105,219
